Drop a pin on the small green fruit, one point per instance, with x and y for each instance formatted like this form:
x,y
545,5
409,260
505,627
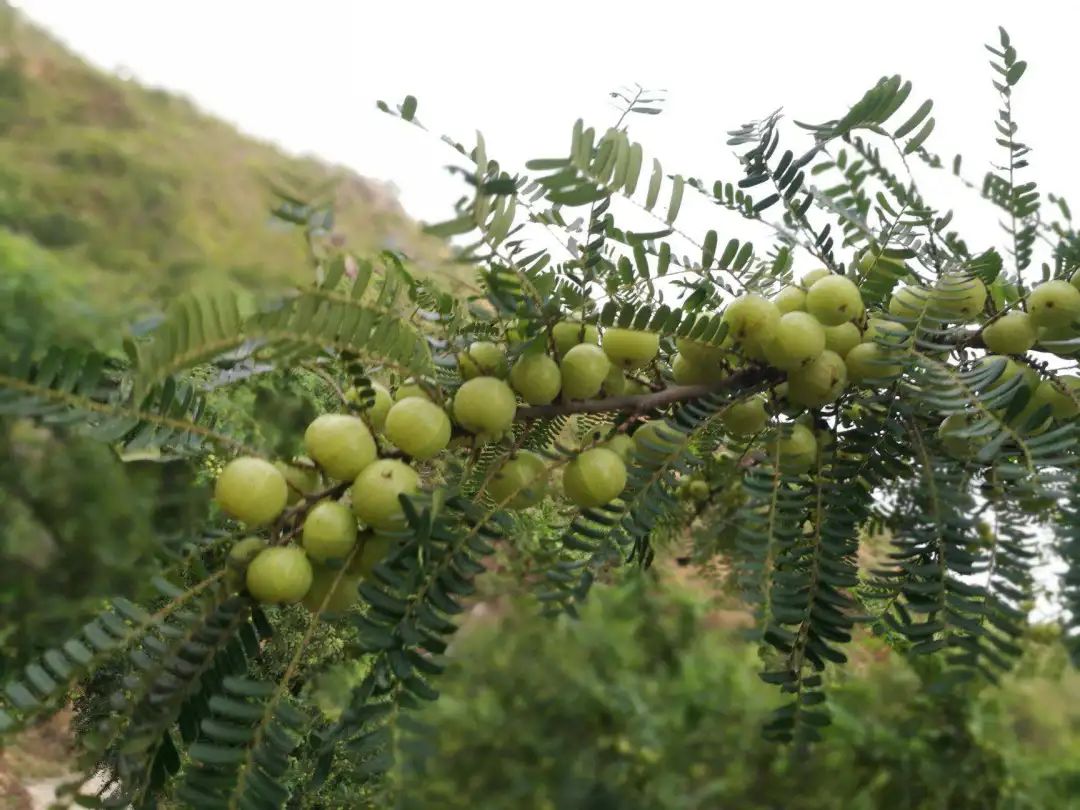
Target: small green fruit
x,y
485,405
819,382
630,348
814,276
375,493
300,479
698,490
797,340
279,575
843,338
584,368
568,334
797,448
872,363
1061,394
958,446
536,377
614,383
656,438
330,598
908,302
594,478
376,414
1058,340
959,298
410,389
700,354
520,482
329,531
790,299
243,552
887,333
417,427
745,418
621,445
686,372
482,359
251,490
834,300
374,548
752,322
342,445
1054,303
1012,333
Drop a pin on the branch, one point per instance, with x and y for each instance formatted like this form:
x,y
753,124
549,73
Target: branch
x,y
640,403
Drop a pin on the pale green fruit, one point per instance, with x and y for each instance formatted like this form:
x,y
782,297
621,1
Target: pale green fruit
x,y
834,300
584,368
621,445
375,493
820,382
1012,333
636,388
656,438
751,322
594,478
326,596
329,531
482,359
797,448
871,362
251,490
959,447
342,445
418,428
686,372
745,418
700,354
243,552
1054,303
374,548
568,334
536,377
798,338
520,482
279,575
884,331
485,405
698,490
843,338
908,302
1061,394
1055,340
814,276
300,479
1009,369
630,348
790,299
376,414
614,382
872,261
960,299
409,389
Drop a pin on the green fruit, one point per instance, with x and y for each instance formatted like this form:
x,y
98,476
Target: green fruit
x,y
871,260
376,413
621,445
820,382
1012,333
615,382
790,299
886,332
594,478
568,334
375,493
959,447
301,480
327,597
700,354
834,300
536,377
871,362
1054,303
630,348
908,302
1056,340
329,531
251,490
814,276
698,490
797,448
279,575
482,359
636,388
686,372
409,389
374,548
243,552
1009,368
843,338
418,428
958,298
745,418
656,438
1061,394
584,368
520,482
342,445
485,405
797,340
751,322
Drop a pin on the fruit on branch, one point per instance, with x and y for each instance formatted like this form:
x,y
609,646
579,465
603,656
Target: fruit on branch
x,y
843,338
1056,339
695,489
797,339
520,482
686,372
751,322
583,368
482,359
341,445
700,354
796,448
656,438
1054,303
834,300
301,479
279,575
568,334
871,259
814,276
790,299
960,298
536,377
240,556
952,432
251,490
635,388
338,597
819,382
374,548
872,363
375,493
621,445
745,418
886,332
329,531
1012,333
908,302
630,348
1009,369
1061,394
418,427
376,414
485,406
614,383
410,389
594,478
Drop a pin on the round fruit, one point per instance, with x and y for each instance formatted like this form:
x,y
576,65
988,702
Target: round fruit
x,y
594,478
329,531
843,338
630,348
243,552
656,438
568,334
797,340
342,445
959,298
871,362
1054,303
376,413
686,372
485,405
326,596
520,482
621,445
908,302
700,354
820,382
1012,333
418,428
790,299
871,260
482,359
301,480
751,322
962,446
698,490
584,368
797,448
636,388
536,377
1006,368
834,300
374,548
1056,340
251,490
745,418
1061,394
279,575
375,493
814,276
886,332
614,382
409,389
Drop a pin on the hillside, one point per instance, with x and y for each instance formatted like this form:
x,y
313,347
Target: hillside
x,y
115,197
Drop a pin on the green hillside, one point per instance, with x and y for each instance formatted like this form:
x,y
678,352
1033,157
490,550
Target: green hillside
x,y
114,197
